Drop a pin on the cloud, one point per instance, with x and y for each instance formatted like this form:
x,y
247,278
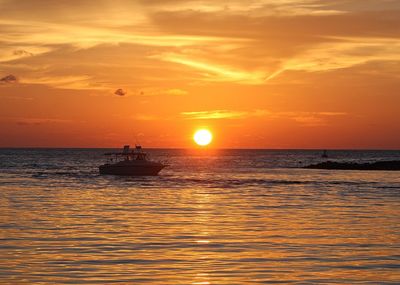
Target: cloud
x,y
176,91
120,92
222,114
145,117
331,113
344,53
310,42
152,91
259,7
84,37
215,72
12,52
214,114
80,82
22,53
233,41
8,79
309,119
38,121
286,28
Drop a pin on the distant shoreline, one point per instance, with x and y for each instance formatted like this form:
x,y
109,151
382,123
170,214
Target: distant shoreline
x,y
379,165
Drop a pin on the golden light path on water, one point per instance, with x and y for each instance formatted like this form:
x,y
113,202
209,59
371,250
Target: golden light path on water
x,y
203,226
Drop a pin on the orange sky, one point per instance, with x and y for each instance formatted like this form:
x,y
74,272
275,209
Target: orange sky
x,y
258,74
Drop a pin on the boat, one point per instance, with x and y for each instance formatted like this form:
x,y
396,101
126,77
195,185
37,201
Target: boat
x,y
130,163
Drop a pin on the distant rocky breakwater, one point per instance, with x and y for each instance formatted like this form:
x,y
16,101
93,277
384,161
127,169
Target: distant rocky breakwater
x,y
379,165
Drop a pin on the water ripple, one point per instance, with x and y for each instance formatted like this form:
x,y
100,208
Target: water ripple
x,y
244,217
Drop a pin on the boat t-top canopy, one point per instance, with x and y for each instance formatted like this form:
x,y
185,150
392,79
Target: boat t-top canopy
x,y
129,153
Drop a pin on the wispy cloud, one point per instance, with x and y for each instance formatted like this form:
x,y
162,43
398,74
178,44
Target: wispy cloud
x,y
308,119
303,118
333,50
15,52
145,117
259,7
223,114
214,114
342,53
230,41
176,91
44,33
215,72
39,121
153,91
66,82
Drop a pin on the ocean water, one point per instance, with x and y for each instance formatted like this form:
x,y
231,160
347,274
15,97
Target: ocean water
x,y
212,217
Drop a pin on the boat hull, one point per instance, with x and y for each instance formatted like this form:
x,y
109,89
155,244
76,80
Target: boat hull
x,y
131,170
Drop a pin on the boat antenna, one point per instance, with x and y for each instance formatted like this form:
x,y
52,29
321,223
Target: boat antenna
x,y
135,137
137,142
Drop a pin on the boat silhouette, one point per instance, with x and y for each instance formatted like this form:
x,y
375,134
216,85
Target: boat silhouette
x,y
131,163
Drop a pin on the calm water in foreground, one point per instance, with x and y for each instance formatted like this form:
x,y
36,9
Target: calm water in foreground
x,y
212,217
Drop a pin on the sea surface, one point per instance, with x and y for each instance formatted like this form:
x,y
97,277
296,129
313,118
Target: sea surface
x,y
211,217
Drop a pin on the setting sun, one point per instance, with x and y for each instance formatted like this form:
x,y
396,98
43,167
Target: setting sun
x,y
203,137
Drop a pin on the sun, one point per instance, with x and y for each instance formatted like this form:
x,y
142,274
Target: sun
x,y
203,137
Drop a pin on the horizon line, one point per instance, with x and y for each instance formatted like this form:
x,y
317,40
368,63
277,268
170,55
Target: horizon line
x,y
198,148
